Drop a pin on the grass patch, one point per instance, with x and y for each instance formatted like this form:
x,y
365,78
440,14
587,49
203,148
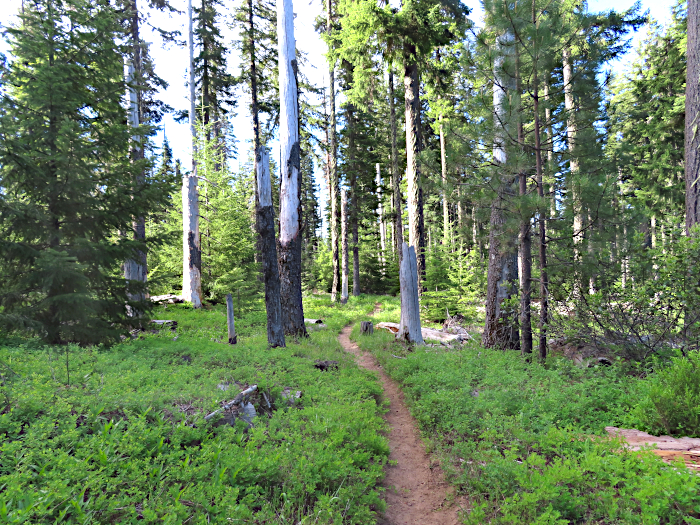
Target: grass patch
x,y
125,440
524,441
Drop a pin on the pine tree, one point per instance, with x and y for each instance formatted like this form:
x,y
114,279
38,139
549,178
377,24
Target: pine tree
x,y
67,179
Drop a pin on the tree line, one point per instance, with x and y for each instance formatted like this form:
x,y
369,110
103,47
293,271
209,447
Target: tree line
x,y
512,137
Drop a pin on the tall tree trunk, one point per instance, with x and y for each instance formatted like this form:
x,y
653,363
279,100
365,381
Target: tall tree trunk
x,y
252,72
550,148
355,202
525,245
136,269
445,204
574,183
289,250
333,168
344,242
416,223
380,214
542,211
395,174
266,229
501,328
192,254
692,112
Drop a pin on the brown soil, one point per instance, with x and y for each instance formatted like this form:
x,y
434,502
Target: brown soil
x,y
666,447
416,491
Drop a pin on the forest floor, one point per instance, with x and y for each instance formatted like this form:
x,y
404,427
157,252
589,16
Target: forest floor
x,y
414,484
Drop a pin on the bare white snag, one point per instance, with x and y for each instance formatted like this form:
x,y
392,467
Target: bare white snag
x,y
409,327
191,250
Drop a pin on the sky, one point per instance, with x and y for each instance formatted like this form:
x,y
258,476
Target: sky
x,y
171,61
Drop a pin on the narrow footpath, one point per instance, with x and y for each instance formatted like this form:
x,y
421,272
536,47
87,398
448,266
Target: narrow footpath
x,y
415,489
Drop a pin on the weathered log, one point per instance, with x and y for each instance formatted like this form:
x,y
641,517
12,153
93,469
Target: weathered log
x,y
429,333
170,323
236,401
167,298
313,321
409,328
230,322
366,328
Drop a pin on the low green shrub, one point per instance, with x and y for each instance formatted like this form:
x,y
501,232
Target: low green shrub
x,y
526,442
124,440
671,398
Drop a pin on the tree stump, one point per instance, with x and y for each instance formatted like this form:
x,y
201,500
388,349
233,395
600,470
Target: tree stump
x,y
409,328
366,328
232,338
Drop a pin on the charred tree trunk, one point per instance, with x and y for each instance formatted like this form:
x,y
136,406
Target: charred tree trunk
x,y
266,230
344,242
230,321
692,111
416,223
192,254
501,328
333,170
289,249
252,72
395,175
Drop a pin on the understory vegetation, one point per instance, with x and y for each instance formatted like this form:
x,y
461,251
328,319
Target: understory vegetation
x,y
91,435
525,442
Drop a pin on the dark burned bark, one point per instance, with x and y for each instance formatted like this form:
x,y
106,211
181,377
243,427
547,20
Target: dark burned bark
x,y
413,148
692,112
273,306
344,241
289,262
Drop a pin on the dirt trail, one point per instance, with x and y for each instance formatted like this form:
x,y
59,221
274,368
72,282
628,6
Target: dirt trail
x,y
416,492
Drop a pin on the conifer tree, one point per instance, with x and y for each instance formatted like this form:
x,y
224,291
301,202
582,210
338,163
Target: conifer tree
x,y
67,179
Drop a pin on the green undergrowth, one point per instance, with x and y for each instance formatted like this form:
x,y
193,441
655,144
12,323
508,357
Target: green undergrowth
x,y
118,434
525,442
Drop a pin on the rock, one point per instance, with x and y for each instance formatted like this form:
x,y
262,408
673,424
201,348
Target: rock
x,y
326,365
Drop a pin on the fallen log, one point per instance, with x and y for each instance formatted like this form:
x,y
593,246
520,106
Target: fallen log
x,y
666,447
429,333
167,299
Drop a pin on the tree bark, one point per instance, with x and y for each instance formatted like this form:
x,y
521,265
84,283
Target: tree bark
x,y
445,204
416,224
409,328
266,230
230,321
692,111
289,249
395,175
192,253
136,269
550,148
542,212
501,328
525,246
344,242
380,214
333,169
252,71
574,185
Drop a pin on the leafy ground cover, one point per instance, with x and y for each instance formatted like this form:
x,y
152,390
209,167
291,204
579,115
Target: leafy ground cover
x,y
117,435
525,441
